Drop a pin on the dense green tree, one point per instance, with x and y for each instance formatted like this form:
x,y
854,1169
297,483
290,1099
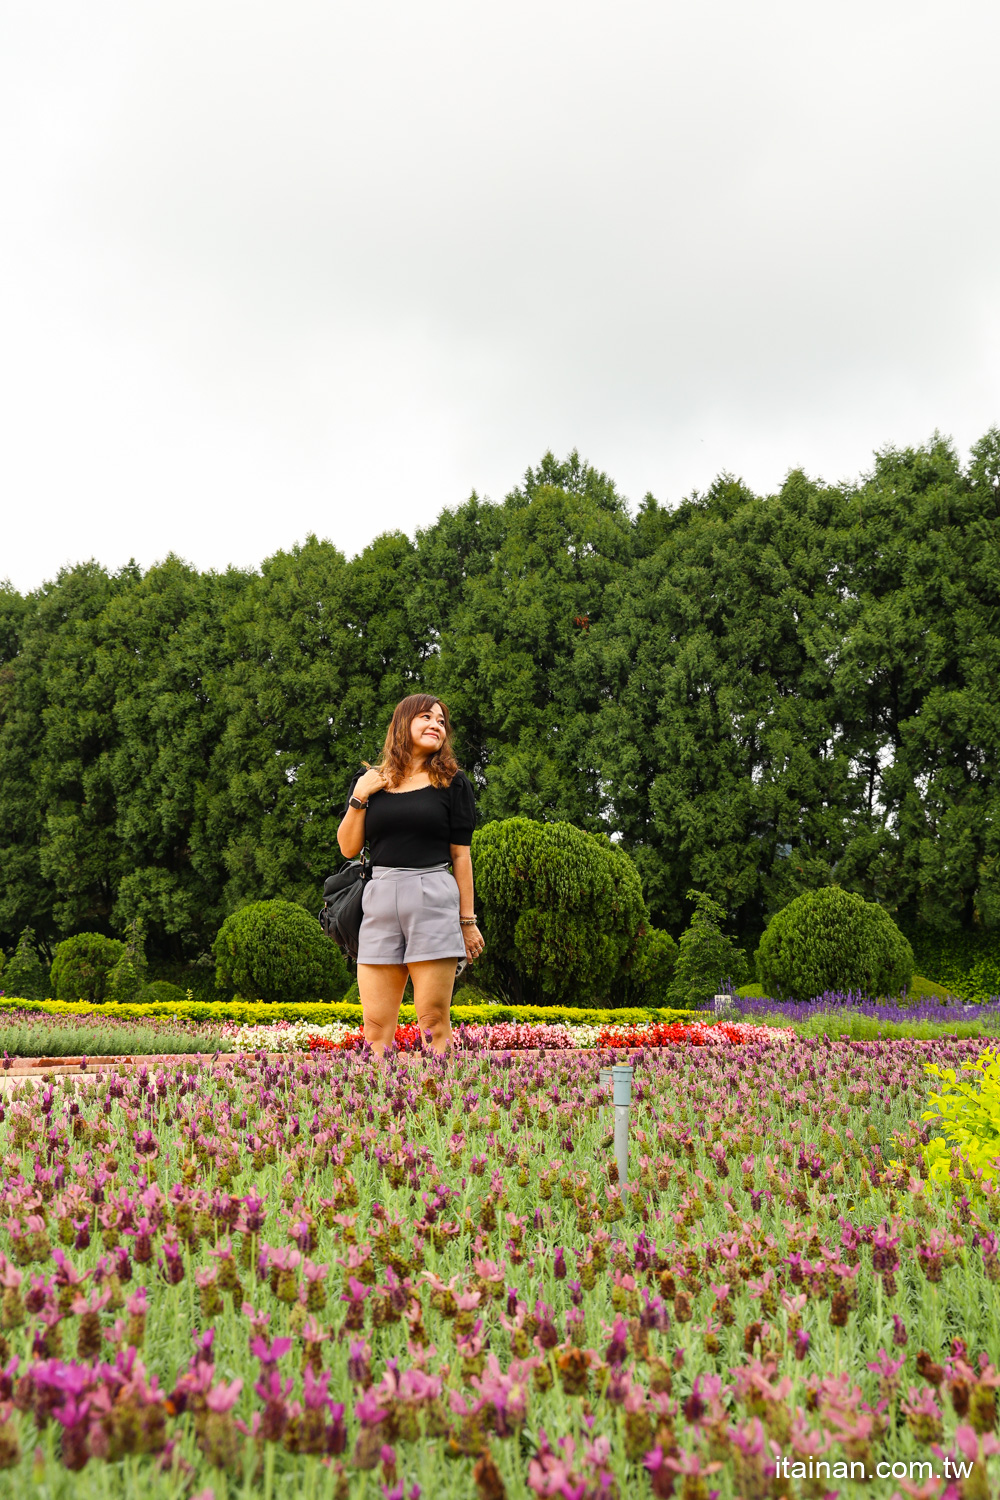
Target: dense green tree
x,y
757,696
60,859
919,666
513,664
318,653
164,666
128,976
719,733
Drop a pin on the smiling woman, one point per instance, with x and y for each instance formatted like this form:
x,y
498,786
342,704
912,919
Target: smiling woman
x,y
416,811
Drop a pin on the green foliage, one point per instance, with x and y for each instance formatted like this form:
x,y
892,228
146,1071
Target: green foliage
x,y
966,963
652,970
129,974
755,695
197,977
318,651
562,910
275,951
515,664
716,726
25,974
969,1116
162,992
833,940
82,966
707,959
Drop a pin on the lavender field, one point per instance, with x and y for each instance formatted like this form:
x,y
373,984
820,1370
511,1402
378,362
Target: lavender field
x,y
307,1276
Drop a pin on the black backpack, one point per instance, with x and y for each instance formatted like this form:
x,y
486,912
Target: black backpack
x,y
340,916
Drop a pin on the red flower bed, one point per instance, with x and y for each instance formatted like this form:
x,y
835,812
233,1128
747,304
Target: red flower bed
x,y
407,1040
693,1034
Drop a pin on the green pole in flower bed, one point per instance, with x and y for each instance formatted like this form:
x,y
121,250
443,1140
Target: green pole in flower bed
x,y
622,1081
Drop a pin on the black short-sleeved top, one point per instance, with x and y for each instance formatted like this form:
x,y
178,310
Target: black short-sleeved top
x,y
410,830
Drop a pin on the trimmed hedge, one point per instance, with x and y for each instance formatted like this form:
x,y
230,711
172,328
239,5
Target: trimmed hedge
x,y
829,940
253,1012
275,951
83,965
562,911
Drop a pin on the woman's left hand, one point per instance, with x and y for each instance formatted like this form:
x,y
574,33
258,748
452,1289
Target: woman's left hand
x,y
474,944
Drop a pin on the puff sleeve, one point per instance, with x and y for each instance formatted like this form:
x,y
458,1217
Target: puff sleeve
x,y
462,812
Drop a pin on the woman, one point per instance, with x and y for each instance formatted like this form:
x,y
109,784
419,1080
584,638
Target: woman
x,y
416,811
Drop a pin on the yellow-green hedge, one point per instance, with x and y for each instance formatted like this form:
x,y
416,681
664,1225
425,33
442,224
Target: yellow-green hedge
x,y
250,1012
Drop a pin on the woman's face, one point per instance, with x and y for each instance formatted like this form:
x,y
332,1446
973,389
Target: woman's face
x,y
427,730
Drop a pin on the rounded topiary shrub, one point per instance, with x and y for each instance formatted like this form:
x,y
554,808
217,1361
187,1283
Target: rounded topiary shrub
x,y
276,951
833,940
162,992
82,967
562,912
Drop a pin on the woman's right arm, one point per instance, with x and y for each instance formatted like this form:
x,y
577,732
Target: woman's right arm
x,y
351,831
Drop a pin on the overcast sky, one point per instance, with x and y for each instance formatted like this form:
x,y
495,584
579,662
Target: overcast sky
x,y
268,269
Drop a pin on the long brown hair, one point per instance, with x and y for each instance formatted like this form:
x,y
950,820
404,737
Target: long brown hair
x,y
398,747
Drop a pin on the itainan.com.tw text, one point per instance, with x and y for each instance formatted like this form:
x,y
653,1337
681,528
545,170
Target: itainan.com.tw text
x,y
819,1468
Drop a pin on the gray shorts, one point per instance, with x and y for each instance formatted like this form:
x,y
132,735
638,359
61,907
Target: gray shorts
x,y
410,916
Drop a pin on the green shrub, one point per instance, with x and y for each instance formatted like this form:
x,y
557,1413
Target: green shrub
x,y
707,959
275,951
652,970
129,974
81,969
561,909
833,940
162,992
969,1115
25,975
966,962
198,977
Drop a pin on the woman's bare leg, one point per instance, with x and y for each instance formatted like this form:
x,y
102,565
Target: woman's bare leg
x,y
433,982
381,987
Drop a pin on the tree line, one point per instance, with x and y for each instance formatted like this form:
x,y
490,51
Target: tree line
x,y
757,695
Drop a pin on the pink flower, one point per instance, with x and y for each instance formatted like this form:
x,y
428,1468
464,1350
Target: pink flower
x,y
223,1398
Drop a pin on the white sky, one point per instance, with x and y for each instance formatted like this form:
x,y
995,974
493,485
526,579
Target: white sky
x,y
273,268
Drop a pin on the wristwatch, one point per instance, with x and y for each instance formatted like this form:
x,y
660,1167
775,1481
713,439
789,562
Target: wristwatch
x,y
355,803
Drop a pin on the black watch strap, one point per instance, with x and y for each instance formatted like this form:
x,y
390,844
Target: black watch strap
x,y
355,803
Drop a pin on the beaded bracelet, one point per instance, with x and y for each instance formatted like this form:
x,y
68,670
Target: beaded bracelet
x,y
468,921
